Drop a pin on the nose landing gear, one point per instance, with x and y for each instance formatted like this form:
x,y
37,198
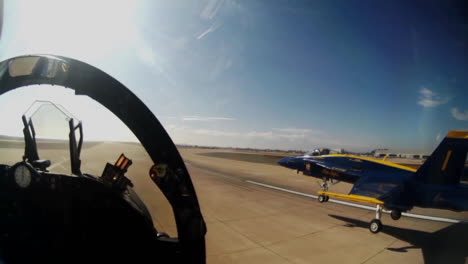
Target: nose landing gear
x,y
376,225
324,187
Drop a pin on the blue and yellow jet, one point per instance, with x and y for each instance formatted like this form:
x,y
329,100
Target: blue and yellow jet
x,y
436,184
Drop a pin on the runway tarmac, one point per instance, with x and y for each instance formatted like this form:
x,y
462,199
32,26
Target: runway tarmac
x,y
250,223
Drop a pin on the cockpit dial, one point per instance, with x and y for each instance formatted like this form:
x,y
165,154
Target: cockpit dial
x,y
22,176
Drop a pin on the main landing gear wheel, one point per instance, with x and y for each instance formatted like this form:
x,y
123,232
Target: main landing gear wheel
x,y
322,198
375,226
395,214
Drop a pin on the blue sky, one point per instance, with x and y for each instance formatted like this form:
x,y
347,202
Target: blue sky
x,y
268,74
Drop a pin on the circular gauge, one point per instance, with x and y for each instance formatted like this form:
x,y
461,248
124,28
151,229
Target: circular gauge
x,y
22,176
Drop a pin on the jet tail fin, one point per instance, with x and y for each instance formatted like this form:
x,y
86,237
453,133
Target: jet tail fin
x,y
447,162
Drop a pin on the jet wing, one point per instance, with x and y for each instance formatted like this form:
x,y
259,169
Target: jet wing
x,y
389,188
385,189
372,178
351,168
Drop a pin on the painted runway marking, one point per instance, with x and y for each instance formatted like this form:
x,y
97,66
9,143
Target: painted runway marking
x,y
425,217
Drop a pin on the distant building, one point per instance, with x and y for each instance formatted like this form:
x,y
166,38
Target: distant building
x,y
395,153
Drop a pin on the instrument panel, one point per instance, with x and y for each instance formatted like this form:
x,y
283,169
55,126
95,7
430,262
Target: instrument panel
x,y
47,212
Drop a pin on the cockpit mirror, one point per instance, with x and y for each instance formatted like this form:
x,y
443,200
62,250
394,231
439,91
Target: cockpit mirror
x,y
158,171
22,66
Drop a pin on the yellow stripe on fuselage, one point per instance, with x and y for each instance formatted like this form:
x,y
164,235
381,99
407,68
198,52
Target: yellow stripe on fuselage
x,y
457,134
372,160
447,157
352,197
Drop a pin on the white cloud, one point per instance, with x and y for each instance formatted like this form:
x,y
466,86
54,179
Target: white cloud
x,y
207,118
211,29
283,133
429,98
143,49
211,9
264,134
216,133
459,115
167,117
297,130
275,138
426,92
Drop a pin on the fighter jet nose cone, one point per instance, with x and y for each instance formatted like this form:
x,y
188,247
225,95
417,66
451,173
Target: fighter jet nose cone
x,y
283,161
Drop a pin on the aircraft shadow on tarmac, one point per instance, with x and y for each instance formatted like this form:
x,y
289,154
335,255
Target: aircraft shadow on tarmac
x,y
447,245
